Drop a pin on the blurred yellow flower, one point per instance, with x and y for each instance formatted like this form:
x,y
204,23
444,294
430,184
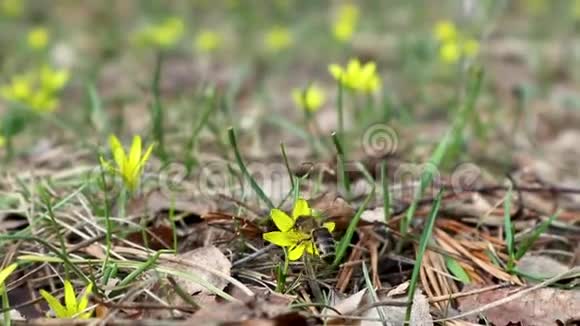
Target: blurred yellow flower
x,y
345,23
471,48
449,52
278,38
128,165
445,30
537,7
73,306
38,89
2,141
453,45
12,8
361,78
207,41
37,38
311,98
163,35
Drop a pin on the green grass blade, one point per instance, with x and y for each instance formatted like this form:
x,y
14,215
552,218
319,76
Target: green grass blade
x,y
157,109
508,227
386,191
346,239
372,292
529,241
425,237
98,117
341,162
438,155
245,172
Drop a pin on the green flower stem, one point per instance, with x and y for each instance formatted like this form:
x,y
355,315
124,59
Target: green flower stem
x,y
157,109
341,162
108,224
245,172
386,191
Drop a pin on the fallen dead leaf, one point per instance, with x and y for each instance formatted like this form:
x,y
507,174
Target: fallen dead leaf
x,y
393,311
210,257
541,266
254,311
543,306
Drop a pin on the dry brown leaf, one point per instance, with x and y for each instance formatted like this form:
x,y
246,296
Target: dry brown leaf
x,y
543,306
210,257
252,311
541,266
394,314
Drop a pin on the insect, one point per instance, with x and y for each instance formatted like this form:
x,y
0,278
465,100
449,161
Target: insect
x,y
319,235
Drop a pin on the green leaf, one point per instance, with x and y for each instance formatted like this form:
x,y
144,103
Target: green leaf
x,y
509,233
530,240
424,241
346,239
457,271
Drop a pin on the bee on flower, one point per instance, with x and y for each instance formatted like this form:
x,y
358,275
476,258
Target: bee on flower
x,y
293,234
358,77
73,306
310,98
278,38
129,166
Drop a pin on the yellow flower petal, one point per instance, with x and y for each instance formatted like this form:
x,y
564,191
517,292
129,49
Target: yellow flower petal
x,y
118,152
329,226
135,153
301,208
297,251
311,248
5,273
336,71
54,304
282,220
70,299
282,239
84,302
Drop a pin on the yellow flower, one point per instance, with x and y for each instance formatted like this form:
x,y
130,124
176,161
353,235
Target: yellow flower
x,y
2,143
5,273
445,31
449,52
53,79
453,45
129,167
12,8
73,306
278,38
38,89
162,35
207,41
345,24
37,38
362,78
290,237
311,98
471,48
